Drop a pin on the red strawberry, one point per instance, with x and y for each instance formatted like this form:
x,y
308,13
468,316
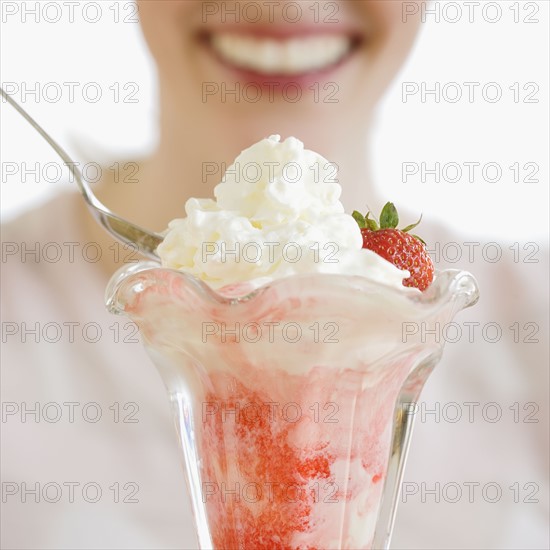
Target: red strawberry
x,y
402,249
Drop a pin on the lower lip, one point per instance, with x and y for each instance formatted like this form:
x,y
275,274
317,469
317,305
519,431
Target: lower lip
x,y
277,82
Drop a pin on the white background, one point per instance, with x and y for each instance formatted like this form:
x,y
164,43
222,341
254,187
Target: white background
x,y
504,132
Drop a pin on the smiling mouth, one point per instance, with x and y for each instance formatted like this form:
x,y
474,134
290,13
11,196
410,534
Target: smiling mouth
x,y
291,56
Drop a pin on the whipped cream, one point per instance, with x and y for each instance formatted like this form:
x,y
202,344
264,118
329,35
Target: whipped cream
x,y
276,213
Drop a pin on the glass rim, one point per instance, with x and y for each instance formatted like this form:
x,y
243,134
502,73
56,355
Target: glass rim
x,y
448,285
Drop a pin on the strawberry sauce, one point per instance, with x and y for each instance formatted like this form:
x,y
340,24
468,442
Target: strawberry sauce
x,y
277,481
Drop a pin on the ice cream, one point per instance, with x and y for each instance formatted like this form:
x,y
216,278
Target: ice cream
x,y
276,213
285,393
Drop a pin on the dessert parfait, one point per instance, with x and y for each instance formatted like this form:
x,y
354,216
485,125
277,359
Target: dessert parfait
x,y
281,326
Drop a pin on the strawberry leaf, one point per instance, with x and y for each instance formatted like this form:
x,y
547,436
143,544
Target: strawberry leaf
x,y
412,226
359,218
421,240
371,224
388,217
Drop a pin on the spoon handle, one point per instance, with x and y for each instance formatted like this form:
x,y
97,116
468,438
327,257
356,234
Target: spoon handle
x,y
123,230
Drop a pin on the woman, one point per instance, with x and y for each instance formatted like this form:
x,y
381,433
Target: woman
x,y
86,416
209,107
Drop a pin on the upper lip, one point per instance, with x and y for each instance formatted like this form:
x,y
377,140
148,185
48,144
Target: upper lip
x,y
282,32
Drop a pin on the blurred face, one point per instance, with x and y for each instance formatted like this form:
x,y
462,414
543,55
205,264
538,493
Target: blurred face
x,y
247,69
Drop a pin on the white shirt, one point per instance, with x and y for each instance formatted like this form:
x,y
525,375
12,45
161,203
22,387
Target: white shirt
x,y
132,453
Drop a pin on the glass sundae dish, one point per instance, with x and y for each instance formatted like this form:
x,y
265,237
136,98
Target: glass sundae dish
x,y
288,355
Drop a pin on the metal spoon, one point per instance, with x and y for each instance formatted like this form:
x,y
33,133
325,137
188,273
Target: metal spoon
x,y
121,229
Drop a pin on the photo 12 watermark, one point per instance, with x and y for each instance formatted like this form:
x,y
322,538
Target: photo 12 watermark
x,y
269,171
471,492
69,492
471,412
270,91
414,92
269,332
70,412
72,92
253,492
270,251
68,332
452,12
259,413
268,11
69,11
469,172
67,252
490,252
61,172
492,332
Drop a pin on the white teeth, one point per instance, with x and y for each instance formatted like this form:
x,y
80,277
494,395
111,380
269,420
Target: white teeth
x,y
288,57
